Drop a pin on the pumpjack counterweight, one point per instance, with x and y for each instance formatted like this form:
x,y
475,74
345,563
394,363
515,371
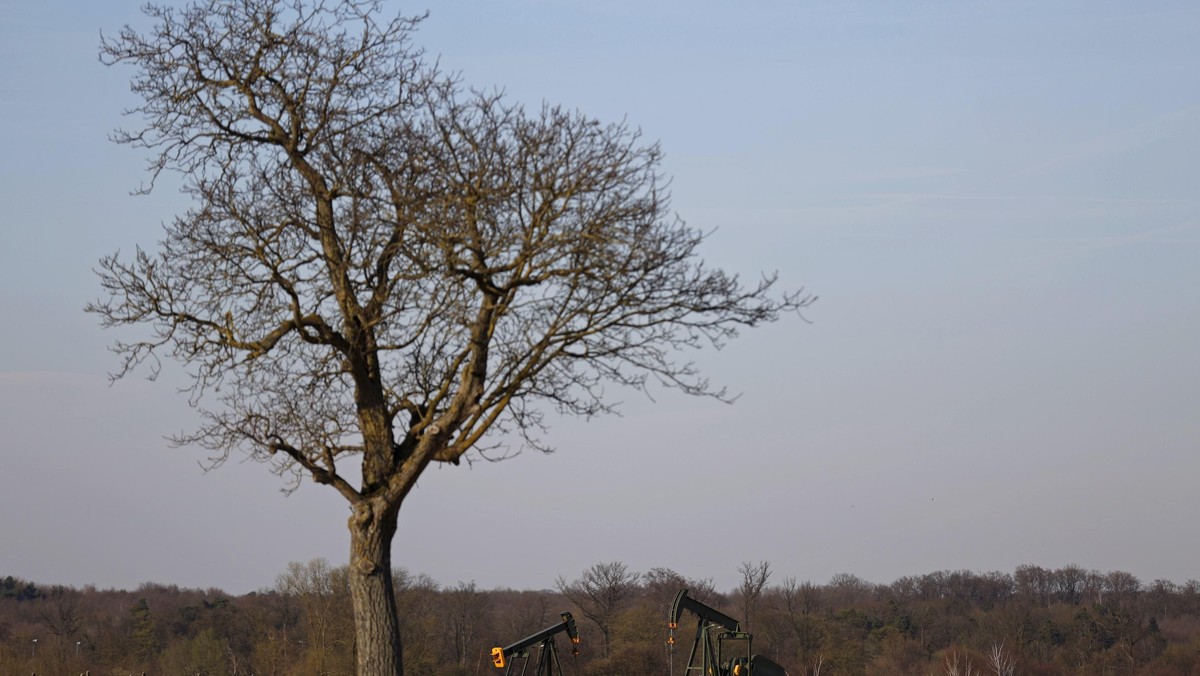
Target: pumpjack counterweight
x,y
547,659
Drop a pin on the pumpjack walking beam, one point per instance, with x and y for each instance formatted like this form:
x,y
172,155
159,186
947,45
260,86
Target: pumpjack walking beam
x,y
547,661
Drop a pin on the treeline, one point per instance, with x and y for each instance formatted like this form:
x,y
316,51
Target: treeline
x,y
1034,621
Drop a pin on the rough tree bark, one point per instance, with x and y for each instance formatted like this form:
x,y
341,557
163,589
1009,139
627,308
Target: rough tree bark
x,y
376,625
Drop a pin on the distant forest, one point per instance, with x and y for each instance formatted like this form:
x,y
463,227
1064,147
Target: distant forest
x,y
1034,621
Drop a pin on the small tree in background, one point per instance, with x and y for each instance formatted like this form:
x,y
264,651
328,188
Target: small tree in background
x,y
750,589
380,266
600,593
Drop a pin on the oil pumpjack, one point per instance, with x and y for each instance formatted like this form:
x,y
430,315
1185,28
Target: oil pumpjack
x,y
547,659
713,630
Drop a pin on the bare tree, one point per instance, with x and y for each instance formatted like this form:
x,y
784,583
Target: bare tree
x,y
801,602
957,665
380,267
754,581
1034,584
600,593
800,598
1121,587
662,584
61,615
1069,583
417,604
466,607
521,613
1002,662
321,590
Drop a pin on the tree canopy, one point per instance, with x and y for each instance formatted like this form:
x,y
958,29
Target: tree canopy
x,y
367,235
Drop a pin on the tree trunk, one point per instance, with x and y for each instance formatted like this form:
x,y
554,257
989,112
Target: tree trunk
x,y
376,624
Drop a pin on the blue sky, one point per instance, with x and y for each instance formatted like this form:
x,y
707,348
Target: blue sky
x,y
998,203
